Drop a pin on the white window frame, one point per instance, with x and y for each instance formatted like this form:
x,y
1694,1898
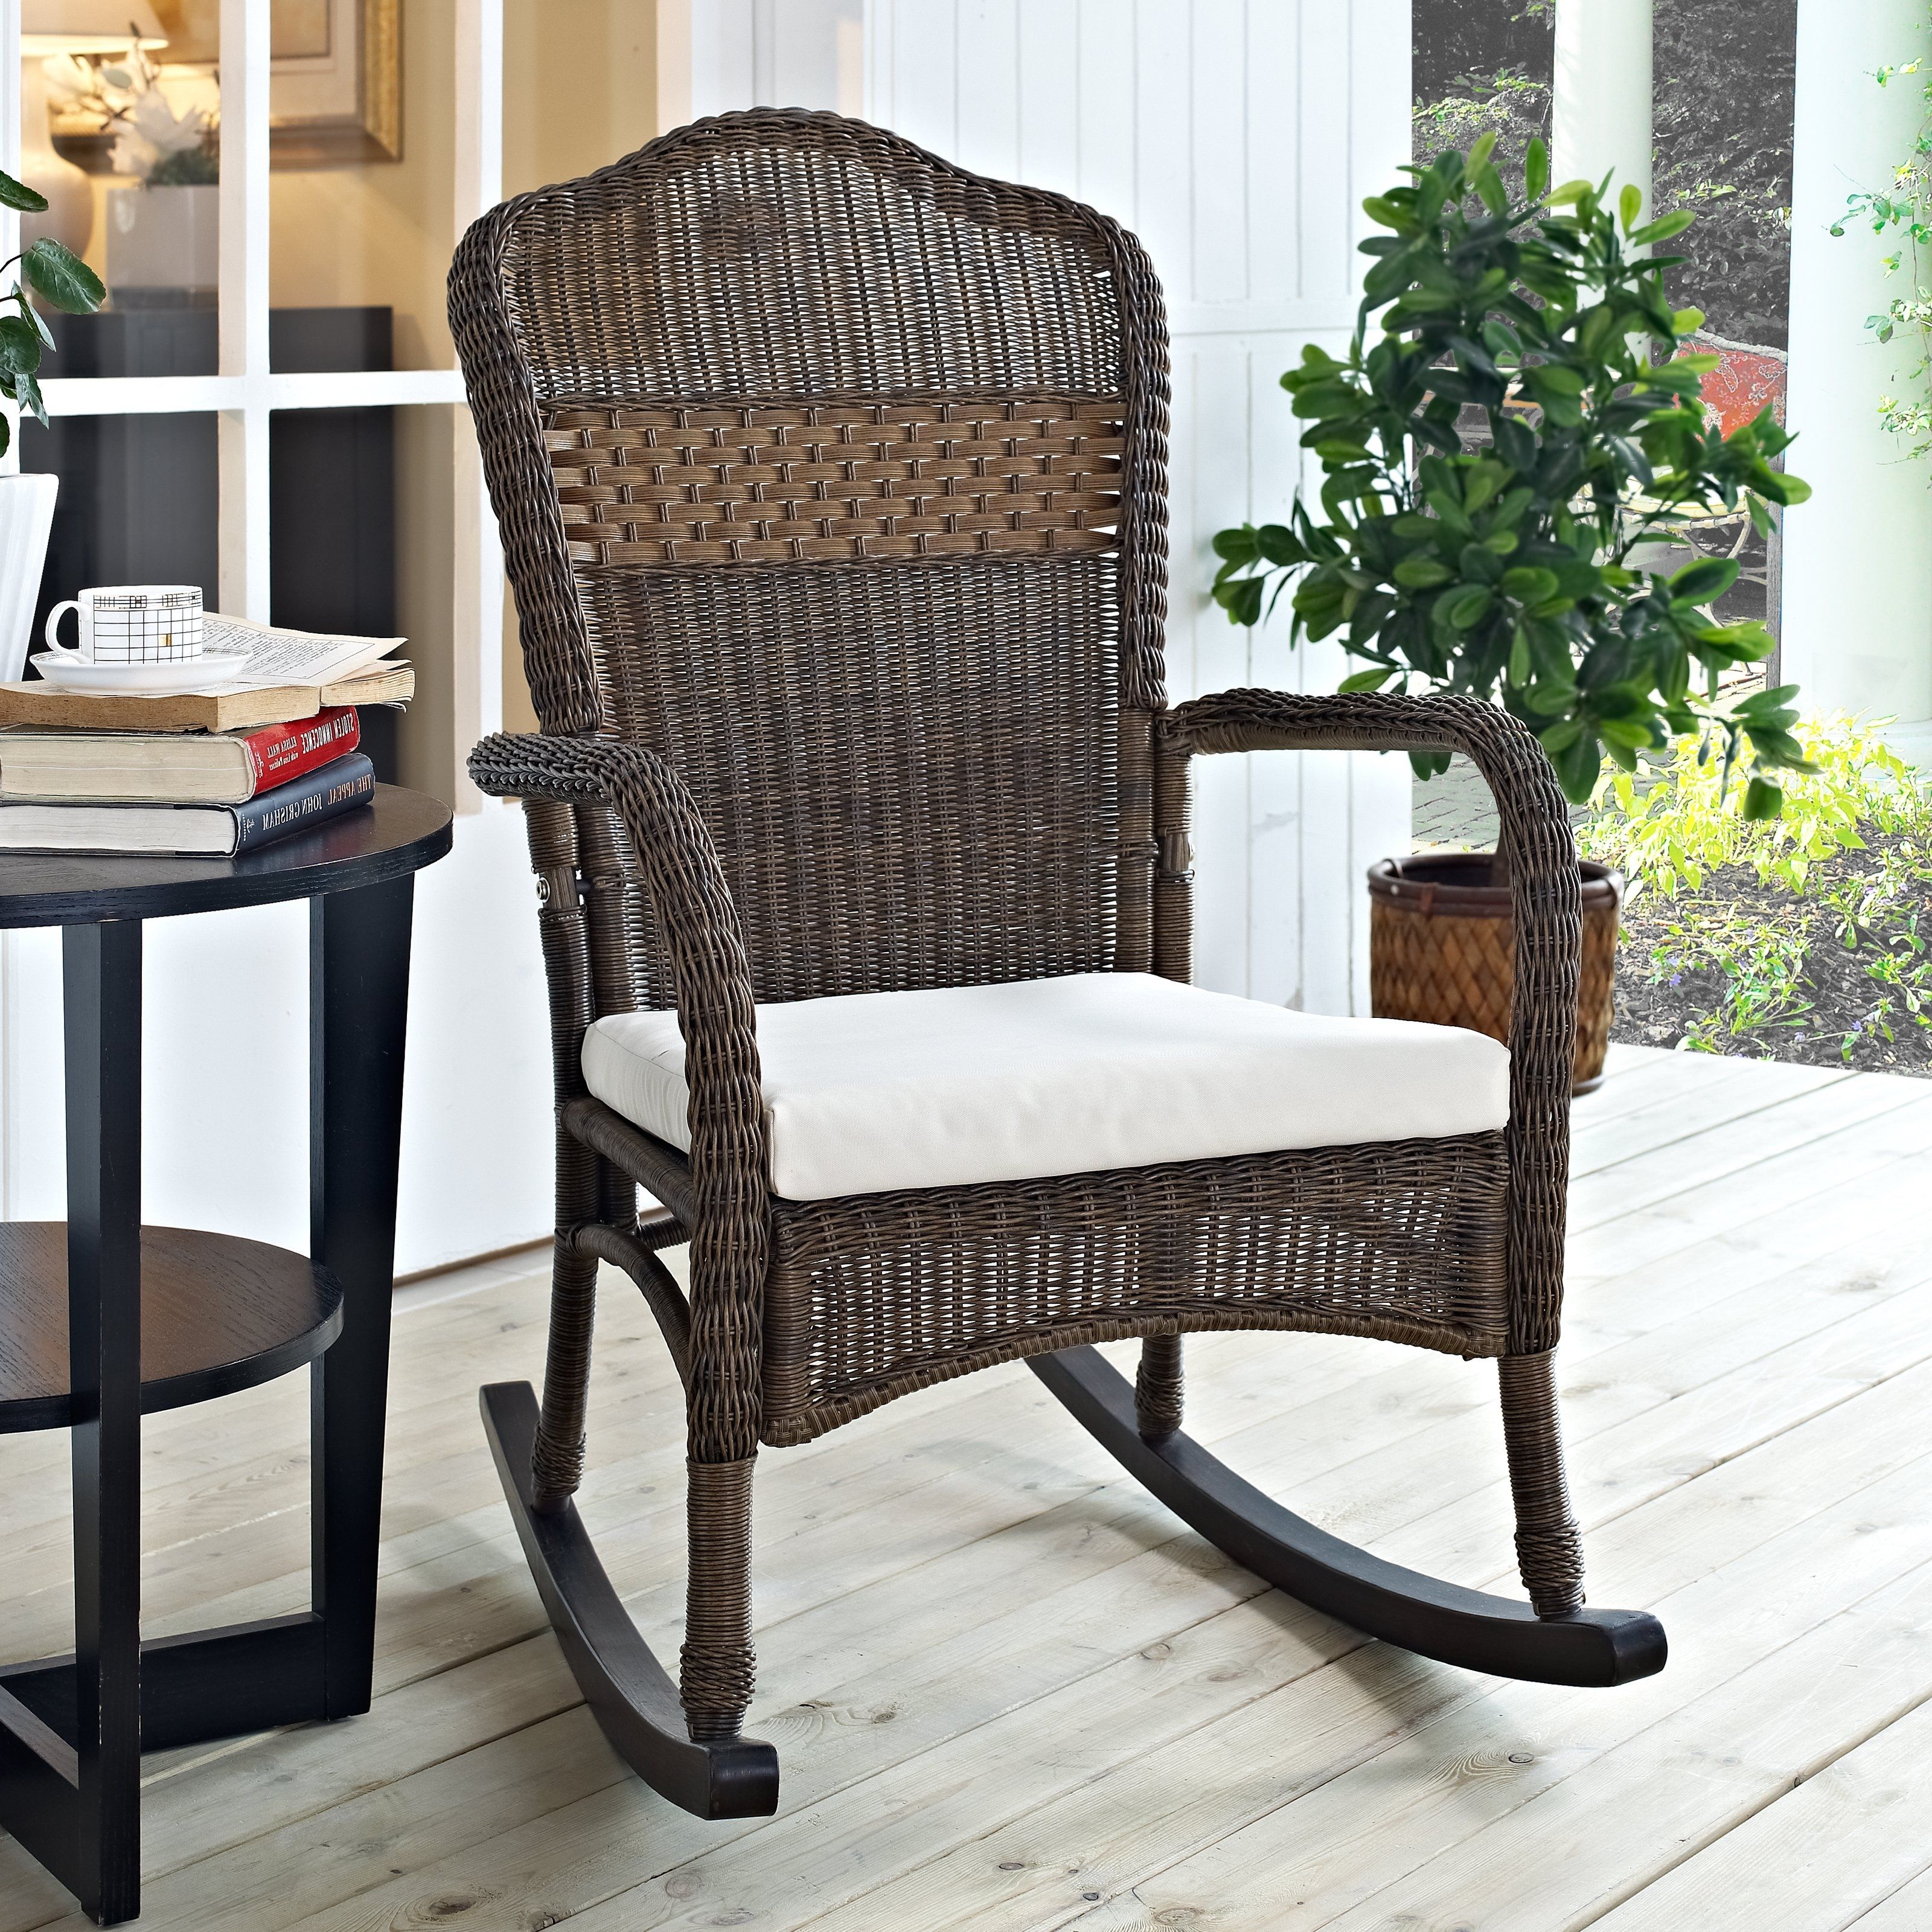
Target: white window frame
x,y
244,392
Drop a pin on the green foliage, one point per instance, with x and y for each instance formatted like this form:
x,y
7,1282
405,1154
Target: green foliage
x,y
1760,963
1503,571
1509,103
1670,828
187,167
1725,83
1850,865
62,281
1903,212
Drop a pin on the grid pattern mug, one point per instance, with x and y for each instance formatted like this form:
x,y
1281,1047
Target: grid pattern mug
x,y
132,623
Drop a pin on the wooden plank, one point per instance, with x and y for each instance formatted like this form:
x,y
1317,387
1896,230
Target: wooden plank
x,y
1650,1178
1444,1830
1814,1859
943,1643
1104,1727
1712,1106
1908,1909
1814,1171
1758,1311
598,1823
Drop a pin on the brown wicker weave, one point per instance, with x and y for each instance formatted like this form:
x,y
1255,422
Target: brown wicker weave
x,y
1442,949
832,481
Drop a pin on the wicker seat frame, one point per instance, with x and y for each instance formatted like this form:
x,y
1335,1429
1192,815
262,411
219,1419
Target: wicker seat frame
x,y
831,480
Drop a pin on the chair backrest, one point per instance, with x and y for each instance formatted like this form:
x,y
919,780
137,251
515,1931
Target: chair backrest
x,y
837,475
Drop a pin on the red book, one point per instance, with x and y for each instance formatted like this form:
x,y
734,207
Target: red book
x,y
277,753
171,767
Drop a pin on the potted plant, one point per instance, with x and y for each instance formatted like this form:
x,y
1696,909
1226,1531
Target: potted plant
x,y
62,281
1491,461
163,233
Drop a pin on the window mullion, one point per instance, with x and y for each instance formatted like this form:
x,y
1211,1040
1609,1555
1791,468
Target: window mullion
x,y
243,315
478,590
9,160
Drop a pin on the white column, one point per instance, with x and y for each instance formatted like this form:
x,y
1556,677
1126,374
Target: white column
x,y
1858,558
1600,105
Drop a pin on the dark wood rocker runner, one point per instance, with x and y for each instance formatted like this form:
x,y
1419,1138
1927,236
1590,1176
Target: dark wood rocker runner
x,y
831,480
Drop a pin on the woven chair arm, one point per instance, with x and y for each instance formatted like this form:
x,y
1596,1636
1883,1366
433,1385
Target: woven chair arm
x,y
717,1016
1544,890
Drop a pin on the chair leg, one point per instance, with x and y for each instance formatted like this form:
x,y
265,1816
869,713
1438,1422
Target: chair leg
x,y
1549,1547
556,1465
630,1694
717,1666
1158,1387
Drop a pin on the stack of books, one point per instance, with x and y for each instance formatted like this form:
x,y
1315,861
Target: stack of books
x,y
213,773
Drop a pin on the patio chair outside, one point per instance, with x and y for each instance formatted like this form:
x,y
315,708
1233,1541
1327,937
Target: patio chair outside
x,y
832,482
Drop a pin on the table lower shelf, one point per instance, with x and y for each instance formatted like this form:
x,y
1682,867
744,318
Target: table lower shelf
x,y
218,1313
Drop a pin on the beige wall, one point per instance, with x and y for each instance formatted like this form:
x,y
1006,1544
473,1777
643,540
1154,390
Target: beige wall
x,y
580,88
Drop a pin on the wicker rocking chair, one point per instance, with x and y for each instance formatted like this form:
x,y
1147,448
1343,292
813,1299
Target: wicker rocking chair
x,y
832,479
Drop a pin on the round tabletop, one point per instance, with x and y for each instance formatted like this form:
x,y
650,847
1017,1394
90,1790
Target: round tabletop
x,y
400,832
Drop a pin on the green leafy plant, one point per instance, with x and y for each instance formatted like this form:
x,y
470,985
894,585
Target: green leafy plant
x,y
1904,211
1672,825
1812,930
1498,563
61,279
1509,103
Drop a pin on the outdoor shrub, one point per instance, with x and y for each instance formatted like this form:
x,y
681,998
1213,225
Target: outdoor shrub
x,y
1674,823
1816,928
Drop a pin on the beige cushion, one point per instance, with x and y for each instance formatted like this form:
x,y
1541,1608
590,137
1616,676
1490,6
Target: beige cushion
x,y
955,1085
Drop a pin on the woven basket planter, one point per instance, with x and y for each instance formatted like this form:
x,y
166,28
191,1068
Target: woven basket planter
x,y
1441,947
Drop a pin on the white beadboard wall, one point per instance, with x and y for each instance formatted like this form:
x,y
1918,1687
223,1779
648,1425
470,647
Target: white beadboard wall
x,y
776,53
1237,139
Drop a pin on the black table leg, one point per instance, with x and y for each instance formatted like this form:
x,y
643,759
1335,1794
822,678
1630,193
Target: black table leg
x,y
102,987
358,1001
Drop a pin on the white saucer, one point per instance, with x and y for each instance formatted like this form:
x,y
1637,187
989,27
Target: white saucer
x,y
209,671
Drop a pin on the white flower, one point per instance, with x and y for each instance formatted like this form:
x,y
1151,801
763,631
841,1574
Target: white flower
x,y
151,130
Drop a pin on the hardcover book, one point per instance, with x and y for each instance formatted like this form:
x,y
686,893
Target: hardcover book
x,y
170,768
213,831
237,708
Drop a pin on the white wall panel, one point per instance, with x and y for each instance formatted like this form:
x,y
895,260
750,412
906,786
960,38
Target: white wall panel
x,y
775,53
1236,138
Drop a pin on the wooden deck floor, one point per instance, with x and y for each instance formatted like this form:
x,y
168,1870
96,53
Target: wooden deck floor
x,y
1010,1693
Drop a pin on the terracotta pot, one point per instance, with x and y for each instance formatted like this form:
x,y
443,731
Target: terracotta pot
x,y
1441,948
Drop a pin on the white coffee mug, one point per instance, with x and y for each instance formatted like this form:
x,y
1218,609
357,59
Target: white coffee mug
x,y
131,623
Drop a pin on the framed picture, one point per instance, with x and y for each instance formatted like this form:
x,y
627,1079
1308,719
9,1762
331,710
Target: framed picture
x,y
336,92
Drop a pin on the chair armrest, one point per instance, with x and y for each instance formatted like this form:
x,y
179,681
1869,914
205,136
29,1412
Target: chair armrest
x,y
1545,901
716,1014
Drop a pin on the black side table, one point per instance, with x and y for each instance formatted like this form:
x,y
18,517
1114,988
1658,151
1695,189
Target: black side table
x,y
150,1319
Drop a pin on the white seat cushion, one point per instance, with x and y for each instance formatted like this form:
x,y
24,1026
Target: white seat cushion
x,y
955,1085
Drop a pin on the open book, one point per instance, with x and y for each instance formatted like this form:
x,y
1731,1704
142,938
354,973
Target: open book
x,y
278,657
289,675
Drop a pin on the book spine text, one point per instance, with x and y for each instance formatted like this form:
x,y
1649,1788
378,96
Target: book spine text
x,y
338,787
278,753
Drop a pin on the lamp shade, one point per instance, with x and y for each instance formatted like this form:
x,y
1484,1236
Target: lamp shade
x,y
87,26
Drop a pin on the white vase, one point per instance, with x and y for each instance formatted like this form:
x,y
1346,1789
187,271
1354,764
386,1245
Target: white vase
x,y
68,217
164,238
26,520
